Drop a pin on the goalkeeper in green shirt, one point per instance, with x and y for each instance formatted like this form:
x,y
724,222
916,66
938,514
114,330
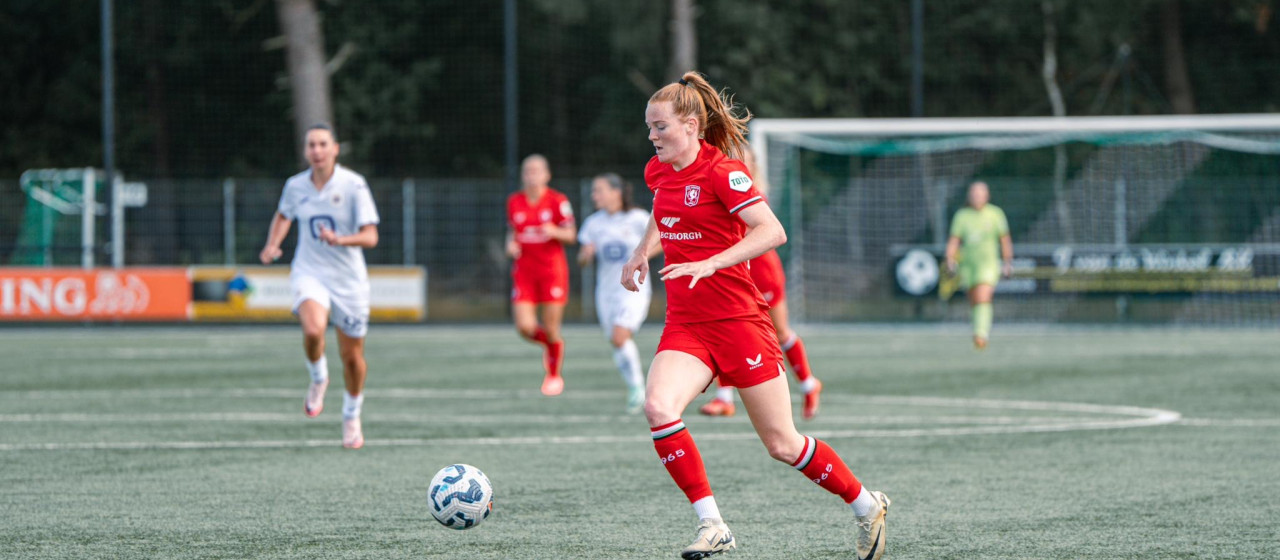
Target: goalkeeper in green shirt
x,y
980,251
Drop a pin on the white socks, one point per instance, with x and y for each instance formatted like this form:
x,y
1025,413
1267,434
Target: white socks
x,y
706,508
318,369
351,405
864,504
808,385
725,394
627,358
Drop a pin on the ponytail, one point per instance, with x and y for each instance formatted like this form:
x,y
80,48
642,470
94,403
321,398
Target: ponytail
x,y
714,111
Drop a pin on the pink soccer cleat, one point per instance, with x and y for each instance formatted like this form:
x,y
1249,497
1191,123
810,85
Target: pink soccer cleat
x,y
352,436
314,402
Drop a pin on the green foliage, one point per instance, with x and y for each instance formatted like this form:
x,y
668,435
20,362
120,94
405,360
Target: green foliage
x,y
202,90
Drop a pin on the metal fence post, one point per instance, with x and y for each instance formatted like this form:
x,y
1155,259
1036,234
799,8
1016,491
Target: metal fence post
x,y
588,270
408,229
88,206
229,221
117,221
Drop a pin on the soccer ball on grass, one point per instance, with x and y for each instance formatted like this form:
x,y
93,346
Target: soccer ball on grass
x,y
460,497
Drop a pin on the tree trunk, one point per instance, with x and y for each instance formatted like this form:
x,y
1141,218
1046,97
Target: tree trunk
x,y
308,76
1050,76
1176,79
684,38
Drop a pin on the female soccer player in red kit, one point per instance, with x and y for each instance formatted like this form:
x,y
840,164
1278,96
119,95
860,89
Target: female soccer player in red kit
x,y
540,219
771,280
708,217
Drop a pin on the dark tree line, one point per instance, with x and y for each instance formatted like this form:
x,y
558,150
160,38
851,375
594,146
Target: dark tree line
x,y
416,86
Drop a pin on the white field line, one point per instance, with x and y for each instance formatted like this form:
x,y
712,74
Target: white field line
x,y
1232,422
453,419
1153,417
1166,418
513,394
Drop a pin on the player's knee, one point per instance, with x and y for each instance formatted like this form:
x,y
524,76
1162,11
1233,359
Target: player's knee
x,y
659,411
619,338
527,330
313,332
785,449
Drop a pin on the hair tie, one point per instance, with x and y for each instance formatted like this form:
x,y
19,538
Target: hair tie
x,y
683,82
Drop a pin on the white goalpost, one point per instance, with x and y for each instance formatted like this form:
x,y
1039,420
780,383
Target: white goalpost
x,y
1159,219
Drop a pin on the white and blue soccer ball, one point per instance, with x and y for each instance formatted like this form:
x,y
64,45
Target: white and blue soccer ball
x,y
460,497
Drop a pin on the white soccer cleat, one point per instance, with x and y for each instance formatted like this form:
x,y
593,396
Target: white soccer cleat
x,y
870,530
314,402
714,537
635,400
352,436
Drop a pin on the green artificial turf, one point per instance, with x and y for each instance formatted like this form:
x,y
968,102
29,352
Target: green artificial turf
x,y
191,443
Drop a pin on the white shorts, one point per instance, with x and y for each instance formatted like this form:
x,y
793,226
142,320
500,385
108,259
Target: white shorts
x,y
348,312
626,309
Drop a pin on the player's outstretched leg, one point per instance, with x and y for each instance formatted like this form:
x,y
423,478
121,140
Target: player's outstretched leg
x,y
769,406
721,404
354,371
675,378
627,357
314,319
980,299
553,358
793,348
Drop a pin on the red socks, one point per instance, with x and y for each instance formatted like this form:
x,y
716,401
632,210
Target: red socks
x,y
680,455
539,336
794,348
823,466
553,357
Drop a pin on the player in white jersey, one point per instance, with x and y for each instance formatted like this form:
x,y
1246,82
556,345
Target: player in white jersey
x,y
610,236
337,220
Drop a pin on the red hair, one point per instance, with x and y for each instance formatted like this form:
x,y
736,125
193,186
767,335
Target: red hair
x,y
714,111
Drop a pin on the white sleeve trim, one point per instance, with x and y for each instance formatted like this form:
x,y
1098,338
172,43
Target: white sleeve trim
x,y
746,203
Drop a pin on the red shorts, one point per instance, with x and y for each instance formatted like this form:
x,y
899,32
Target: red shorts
x,y
770,279
742,351
545,284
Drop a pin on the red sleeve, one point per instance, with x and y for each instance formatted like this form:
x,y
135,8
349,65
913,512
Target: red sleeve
x,y
511,202
733,186
563,210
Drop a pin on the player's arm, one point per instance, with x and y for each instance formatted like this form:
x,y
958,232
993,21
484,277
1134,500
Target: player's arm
x,y
953,248
566,234
764,232
513,246
275,236
366,238
639,262
1006,254
586,253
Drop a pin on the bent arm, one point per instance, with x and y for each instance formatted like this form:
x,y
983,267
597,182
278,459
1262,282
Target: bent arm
x,y
764,232
276,233
366,238
649,245
953,247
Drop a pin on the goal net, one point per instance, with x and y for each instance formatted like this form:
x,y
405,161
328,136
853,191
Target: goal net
x,y
1115,219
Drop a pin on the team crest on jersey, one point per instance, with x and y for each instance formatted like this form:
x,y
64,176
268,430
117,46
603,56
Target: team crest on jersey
x,y
691,194
518,217
336,199
545,216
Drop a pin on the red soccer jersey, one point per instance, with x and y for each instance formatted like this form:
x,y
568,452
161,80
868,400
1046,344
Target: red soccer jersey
x,y
696,210
537,249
